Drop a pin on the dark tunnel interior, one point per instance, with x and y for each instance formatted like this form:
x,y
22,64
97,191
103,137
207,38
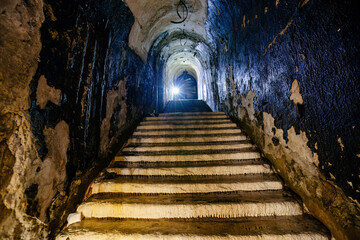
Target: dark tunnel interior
x,y
77,77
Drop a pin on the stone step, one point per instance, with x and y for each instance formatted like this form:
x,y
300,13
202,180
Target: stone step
x,y
190,152
186,117
185,139
187,122
260,228
240,154
167,125
111,183
214,143
217,170
156,132
192,114
224,205
124,164
140,148
190,135
190,176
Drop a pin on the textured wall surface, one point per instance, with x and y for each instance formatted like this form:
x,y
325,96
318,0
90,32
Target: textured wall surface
x,y
288,71
64,109
20,45
72,90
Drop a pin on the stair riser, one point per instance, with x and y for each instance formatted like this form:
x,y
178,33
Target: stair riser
x,y
170,126
179,114
215,170
113,187
123,236
190,158
186,139
176,122
190,131
156,211
164,118
187,148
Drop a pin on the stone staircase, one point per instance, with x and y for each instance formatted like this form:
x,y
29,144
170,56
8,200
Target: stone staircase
x,y
191,176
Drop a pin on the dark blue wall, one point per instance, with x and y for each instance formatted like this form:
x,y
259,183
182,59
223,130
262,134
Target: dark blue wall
x,y
88,57
317,44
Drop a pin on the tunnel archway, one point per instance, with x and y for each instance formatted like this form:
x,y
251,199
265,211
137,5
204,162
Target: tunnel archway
x,y
187,86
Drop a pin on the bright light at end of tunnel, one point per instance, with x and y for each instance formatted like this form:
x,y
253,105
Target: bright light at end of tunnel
x,y
175,90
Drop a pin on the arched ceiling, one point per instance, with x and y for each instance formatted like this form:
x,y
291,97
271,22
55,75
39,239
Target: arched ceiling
x,y
179,62
154,17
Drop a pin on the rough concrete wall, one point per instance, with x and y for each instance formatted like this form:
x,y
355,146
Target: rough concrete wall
x,y
65,112
288,72
20,23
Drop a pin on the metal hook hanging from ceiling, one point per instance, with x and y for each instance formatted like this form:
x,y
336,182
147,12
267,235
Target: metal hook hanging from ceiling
x,y
185,12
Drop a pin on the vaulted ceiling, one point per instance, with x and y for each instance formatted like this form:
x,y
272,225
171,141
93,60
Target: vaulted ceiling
x,y
154,17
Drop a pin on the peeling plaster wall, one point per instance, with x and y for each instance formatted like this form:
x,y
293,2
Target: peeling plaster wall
x,y
287,71
68,101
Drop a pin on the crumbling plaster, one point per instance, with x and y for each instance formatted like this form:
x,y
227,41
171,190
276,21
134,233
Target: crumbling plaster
x,y
297,164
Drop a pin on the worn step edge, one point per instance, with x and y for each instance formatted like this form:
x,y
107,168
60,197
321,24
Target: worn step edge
x,y
257,161
189,152
188,158
188,117
173,144
186,148
109,186
187,122
206,128
189,135
192,179
196,198
191,114
270,228
187,132
186,171
104,209
178,140
187,126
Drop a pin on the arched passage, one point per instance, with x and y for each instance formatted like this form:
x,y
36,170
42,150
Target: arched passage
x,y
187,86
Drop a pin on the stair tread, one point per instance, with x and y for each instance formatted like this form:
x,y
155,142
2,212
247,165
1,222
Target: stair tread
x,y
186,118
186,126
259,228
188,143
195,198
187,122
210,156
119,164
185,139
188,135
190,131
193,179
187,129
172,168
188,148
262,203
191,114
190,152
163,183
